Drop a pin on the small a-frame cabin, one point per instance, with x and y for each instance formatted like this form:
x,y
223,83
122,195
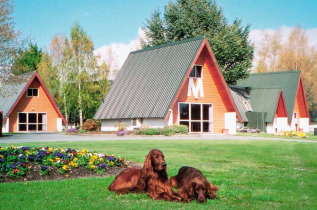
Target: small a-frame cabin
x,y
28,106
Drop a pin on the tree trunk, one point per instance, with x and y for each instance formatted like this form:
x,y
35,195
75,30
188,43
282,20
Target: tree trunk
x,y
65,109
81,123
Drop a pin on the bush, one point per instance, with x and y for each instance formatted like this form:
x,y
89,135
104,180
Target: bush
x,y
169,130
121,126
92,125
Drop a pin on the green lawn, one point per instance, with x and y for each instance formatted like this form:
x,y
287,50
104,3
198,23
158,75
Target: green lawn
x,y
250,174
310,136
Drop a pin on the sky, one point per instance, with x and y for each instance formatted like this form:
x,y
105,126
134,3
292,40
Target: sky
x,y
116,24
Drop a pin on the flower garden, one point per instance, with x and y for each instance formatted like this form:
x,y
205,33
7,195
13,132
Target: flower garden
x,y
17,162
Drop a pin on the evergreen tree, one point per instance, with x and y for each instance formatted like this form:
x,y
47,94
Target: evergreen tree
x,y
186,19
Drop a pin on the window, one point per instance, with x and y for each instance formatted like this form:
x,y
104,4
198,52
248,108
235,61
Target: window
x,y
247,106
32,92
134,122
31,121
196,71
197,117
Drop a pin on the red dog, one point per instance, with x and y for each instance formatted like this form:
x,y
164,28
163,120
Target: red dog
x,y
192,184
152,179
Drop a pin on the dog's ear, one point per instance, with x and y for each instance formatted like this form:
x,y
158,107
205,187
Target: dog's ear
x,y
191,189
211,190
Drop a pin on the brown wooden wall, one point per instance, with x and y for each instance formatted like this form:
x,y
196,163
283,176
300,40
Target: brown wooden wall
x,y
211,92
281,108
35,104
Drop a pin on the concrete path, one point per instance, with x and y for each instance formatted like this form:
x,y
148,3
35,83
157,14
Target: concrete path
x,y
56,137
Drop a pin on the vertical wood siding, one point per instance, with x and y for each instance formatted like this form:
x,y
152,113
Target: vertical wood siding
x,y
212,95
39,104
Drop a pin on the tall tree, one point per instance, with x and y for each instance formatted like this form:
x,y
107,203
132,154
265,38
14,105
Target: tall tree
x,y
294,54
185,19
60,53
26,60
10,41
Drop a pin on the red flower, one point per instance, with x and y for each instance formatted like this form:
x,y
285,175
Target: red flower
x,y
24,165
15,171
75,153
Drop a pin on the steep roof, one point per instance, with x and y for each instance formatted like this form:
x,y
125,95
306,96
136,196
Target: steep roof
x,y
148,81
240,94
287,81
261,96
11,92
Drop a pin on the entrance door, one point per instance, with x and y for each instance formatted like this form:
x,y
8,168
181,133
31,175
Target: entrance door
x,y
198,117
32,121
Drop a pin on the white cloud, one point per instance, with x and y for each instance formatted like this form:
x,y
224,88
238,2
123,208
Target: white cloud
x,y
116,53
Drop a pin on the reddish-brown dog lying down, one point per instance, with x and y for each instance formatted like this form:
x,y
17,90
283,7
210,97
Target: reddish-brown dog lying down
x,y
152,179
192,184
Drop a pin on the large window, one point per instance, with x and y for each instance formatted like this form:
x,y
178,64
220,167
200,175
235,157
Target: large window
x,y
32,121
32,92
198,117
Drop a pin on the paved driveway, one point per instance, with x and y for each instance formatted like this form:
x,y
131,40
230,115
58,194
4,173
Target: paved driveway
x,y
55,137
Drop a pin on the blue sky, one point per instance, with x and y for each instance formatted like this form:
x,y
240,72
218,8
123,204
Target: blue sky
x,y
118,21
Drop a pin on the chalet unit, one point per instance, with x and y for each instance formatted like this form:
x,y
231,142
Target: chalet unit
x,y
28,106
272,102
174,84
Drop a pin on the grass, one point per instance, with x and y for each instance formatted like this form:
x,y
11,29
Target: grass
x,y
250,174
310,136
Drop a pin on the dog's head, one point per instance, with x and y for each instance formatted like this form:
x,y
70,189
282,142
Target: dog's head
x,y
155,159
202,190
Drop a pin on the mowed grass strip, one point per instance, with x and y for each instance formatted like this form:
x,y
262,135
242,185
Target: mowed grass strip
x,y
250,174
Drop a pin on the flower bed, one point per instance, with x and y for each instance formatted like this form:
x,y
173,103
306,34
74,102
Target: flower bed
x,y
16,162
292,133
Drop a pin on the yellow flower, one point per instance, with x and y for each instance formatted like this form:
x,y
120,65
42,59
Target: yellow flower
x,y
57,159
28,152
67,175
51,160
101,160
75,159
92,167
112,155
65,167
50,149
92,160
95,157
12,147
1,156
112,162
84,151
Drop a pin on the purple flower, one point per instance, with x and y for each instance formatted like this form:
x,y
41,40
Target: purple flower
x,y
111,158
102,165
20,163
31,157
60,155
21,156
69,150
12,166
43,168
25,148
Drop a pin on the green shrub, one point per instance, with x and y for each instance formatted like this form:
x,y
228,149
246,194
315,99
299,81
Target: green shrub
x,y
167,131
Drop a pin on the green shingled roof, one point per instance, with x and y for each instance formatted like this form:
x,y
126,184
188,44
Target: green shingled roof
x,y
148,81
11,90
287,81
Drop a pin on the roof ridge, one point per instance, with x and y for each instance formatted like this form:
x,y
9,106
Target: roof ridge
x,y
276,72
169,44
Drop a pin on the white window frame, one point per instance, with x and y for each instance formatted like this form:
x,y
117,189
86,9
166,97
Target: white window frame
x,y
190,116
38,92
27,123
195,67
